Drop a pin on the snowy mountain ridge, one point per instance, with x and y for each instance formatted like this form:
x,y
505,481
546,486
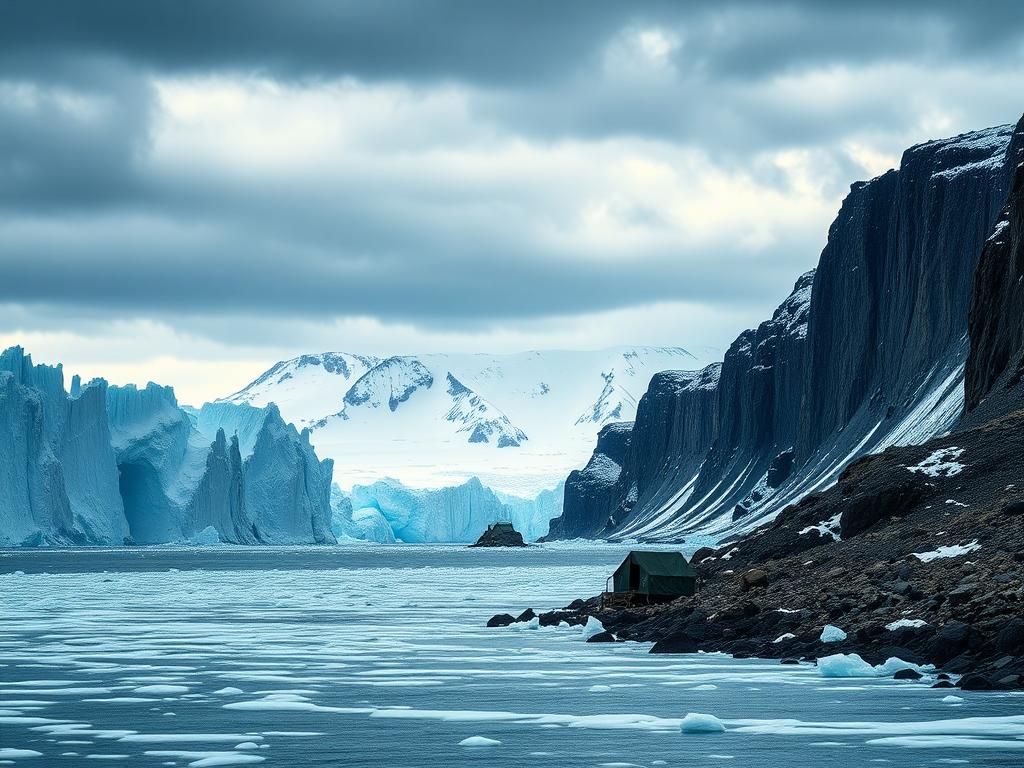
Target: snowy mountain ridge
x,y
518,422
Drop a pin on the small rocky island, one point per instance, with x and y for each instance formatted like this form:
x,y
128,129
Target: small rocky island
x,y
500,535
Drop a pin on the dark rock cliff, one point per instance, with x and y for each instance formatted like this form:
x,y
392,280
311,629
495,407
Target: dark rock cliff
x,y
590,493
867,352
995,366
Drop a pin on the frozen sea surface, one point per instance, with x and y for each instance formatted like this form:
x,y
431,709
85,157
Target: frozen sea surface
x,y
377,656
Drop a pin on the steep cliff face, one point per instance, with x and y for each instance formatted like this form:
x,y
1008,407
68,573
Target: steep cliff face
x,y
867,352
591,493
58,478
995,366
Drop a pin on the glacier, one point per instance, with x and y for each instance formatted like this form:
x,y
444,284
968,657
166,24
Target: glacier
x,y
109,465
388,511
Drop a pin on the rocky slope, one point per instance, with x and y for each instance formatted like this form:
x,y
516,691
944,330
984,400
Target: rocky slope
x,y
867,352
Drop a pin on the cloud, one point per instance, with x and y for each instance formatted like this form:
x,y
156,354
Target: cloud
x,y
231,175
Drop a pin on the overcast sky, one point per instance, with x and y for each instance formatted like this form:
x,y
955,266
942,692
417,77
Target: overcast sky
x,y
190,191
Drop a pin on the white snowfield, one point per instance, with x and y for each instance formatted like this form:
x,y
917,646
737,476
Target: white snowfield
x,y
519,422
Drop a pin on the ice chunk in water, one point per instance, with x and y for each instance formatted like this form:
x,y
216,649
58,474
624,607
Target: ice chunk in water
x,y
479,741
845,665
694,722
592,627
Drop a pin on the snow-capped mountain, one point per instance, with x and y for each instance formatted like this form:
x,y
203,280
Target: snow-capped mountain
x,y
518,422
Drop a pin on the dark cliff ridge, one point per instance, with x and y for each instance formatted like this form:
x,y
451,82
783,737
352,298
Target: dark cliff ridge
x,y
914,554
995,366
590,492
867,352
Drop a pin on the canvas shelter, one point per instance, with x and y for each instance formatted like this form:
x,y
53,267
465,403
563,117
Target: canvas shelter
x,y
656,574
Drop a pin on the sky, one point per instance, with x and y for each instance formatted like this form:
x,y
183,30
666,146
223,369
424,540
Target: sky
x,y
190,191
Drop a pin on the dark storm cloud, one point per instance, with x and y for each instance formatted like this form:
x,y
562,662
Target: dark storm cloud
x,y
87,221
490,42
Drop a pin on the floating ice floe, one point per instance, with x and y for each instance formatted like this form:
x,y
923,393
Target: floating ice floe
x,y
952,699
852,665
832,634
479,741
599,688
941,463
591,628
209,759
956,550
694,722
906,624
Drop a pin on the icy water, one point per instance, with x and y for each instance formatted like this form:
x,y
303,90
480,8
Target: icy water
x,y
377,656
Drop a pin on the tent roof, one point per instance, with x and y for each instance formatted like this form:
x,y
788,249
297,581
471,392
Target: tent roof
x,y
661,563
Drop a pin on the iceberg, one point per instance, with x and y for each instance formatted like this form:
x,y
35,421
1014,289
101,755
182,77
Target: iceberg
x,y
108,465
433,515
58,476
694,722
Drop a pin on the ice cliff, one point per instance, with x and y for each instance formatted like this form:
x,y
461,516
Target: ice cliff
x,y
387,511
58,476
113,465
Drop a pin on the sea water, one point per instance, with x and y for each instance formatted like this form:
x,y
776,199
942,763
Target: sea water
x,y
378,656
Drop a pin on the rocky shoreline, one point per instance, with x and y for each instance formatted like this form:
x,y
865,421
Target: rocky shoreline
x,y
915,554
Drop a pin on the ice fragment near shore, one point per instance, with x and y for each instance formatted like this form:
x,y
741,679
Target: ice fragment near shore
x,y
852,665
592,627
832,634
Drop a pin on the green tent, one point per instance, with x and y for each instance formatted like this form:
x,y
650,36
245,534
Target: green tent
x,y
659,574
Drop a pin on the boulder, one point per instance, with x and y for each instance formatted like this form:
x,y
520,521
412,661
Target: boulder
x,y
602,637
755,578
950,641
1013,508
864,511
907,674
501,620
527,615
678,642
1010,639
976,682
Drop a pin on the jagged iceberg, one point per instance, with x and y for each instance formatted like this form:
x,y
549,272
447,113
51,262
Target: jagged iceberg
x,y
113,465
58,477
